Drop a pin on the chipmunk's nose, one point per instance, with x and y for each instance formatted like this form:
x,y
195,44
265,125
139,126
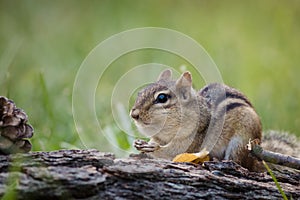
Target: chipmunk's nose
x,y
134,113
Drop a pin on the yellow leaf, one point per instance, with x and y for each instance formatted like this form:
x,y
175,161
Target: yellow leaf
x,y
199,157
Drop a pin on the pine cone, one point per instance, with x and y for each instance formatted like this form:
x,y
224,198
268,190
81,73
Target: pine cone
x,y
14,129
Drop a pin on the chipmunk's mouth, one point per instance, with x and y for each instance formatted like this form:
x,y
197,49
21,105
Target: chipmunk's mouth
x,y
142,123
147,129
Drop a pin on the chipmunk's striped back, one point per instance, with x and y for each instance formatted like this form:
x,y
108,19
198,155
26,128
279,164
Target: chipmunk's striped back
x,y
233,116
217,95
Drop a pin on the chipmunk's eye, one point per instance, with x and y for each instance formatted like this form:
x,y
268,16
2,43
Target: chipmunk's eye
x,y
162,98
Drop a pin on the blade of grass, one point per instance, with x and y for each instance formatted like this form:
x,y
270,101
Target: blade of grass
x,y
45,96
47,103
13,180
5,63
275,180
10,191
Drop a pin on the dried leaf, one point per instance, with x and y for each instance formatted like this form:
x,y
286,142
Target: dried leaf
x,y
199,157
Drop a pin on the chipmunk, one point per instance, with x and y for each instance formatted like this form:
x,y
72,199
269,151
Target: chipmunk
x,y
179,119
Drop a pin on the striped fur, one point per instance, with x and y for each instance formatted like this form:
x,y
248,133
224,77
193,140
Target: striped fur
x,y
240,123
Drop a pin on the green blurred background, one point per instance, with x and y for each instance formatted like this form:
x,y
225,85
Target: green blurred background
x,y
256,46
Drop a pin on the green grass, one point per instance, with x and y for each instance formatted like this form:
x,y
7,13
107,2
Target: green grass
x,y
42,44
275,180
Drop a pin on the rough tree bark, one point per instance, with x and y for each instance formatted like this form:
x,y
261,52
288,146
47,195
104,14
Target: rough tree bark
x,y
90,174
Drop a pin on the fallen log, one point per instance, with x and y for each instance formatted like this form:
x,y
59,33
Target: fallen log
x,y
90,174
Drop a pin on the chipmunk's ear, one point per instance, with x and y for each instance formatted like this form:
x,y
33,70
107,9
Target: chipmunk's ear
x,y
165,75
184,85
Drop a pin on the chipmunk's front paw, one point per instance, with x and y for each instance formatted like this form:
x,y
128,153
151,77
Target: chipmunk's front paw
x,y
144,146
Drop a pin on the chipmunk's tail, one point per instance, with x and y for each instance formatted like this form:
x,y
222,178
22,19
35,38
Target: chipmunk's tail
x,y
281,142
